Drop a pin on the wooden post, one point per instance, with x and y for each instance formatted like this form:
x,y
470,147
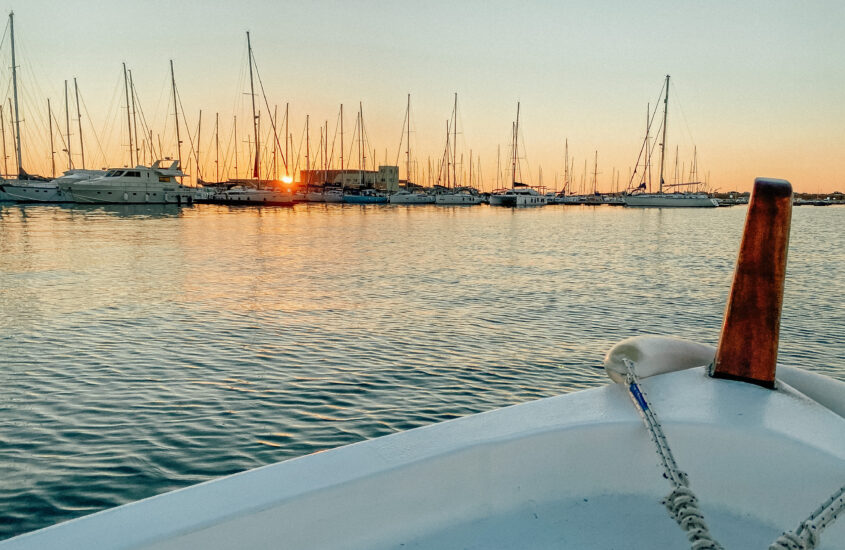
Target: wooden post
x,y
748,344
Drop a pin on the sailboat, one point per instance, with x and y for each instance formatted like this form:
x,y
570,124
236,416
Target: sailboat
x,y
740,451
454,194
639,196
408,195
26,187
519,194
261,193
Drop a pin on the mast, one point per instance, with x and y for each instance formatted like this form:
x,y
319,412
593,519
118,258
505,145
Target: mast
x,y
15,87
67,128
129,115
498,166
307,149
663,144
341,138
176,112
408,143
287,118
255,168
52,149
566,164
3,131
79,120
361,149
515,146
217,147
134,119
236,146
596,174
326,153
455,142
275,142
197,154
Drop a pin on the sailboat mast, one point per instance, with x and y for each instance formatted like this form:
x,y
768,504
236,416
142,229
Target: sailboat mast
x,y
596,174
134,119
255,169
15,88
566,164
515,146
455,142
341,138
67,129
307,149
408,143
217,147
663,144
129,116
52,148
236,146
287,118
79,121
3,131
197,153
176,112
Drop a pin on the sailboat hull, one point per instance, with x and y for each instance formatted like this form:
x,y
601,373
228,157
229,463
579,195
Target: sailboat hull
x,y
671,200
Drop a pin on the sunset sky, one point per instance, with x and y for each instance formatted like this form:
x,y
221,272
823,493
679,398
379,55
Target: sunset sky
x,y
757,87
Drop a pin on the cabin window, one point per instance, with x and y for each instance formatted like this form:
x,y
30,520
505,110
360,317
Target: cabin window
x,y
133,174
115,173
164,179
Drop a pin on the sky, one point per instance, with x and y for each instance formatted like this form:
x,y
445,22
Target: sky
x,y
758,88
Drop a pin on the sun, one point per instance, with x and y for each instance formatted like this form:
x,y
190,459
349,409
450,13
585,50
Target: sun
x,y
287,179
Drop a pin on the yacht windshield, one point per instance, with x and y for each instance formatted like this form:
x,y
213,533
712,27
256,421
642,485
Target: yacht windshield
x,y
114,173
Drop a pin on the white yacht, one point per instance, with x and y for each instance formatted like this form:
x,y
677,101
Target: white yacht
x,y
333,194
459,196
406,196
138,185
741,452
518,196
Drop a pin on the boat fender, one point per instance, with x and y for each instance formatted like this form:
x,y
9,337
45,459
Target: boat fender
x,y
125,196
825,391
654,355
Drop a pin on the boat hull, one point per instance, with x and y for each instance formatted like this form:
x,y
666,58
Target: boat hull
x,y
33,192
671,200
364,199
411,198
255,197
573,471
458,199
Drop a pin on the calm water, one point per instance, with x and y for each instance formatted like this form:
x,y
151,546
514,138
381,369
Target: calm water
x,y
148,348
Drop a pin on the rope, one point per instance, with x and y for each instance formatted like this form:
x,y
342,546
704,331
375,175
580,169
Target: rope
x,y
683,504
806,535
681,501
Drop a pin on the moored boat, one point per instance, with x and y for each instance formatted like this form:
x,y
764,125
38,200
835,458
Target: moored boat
x,y
364,196
139,185
463,196
410,197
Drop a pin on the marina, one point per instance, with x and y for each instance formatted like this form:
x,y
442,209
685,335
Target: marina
x,y
381,276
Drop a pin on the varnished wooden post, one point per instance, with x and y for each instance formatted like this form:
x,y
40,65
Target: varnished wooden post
x,y
748,346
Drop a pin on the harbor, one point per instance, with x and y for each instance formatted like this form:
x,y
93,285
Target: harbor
x,y
382,276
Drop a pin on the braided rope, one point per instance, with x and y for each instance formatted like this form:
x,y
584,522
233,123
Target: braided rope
x,y
681,502
806,535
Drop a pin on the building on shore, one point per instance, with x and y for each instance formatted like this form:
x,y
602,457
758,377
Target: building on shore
x,y
385,179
